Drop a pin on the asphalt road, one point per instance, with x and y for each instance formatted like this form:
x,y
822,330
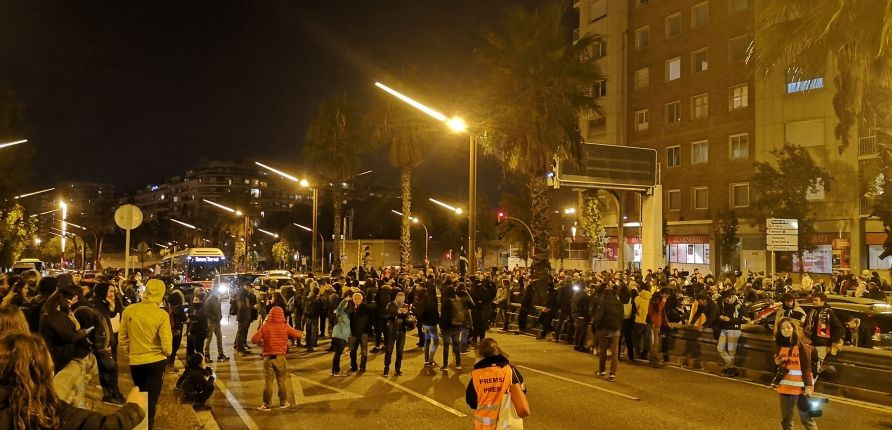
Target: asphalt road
x,y
563,393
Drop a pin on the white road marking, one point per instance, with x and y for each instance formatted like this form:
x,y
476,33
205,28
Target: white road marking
x,y
242,413
843,400
446,408
562,378
301,399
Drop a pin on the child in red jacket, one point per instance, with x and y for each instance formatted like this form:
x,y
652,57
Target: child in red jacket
x,y
273,336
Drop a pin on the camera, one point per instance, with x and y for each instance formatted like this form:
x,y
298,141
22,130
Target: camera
x,y
813,406
779,376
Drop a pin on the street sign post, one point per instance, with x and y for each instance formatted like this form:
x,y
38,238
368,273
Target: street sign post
x,y
782,234
128,217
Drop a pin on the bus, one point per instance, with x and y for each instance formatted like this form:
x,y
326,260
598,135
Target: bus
x,y
196,265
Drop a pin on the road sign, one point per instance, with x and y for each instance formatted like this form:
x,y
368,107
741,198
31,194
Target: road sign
x,y
788,223
609,167
128,217
791,240
781,231
142,247
793,248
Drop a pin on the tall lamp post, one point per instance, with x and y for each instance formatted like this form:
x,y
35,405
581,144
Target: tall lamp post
x,y
457,125
427,236
306,184
313,263
95,241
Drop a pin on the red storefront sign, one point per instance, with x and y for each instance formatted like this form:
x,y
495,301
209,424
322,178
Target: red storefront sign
x,y
875,238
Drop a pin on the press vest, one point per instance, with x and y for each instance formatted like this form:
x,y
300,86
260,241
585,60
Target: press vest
x,y
491,384
792,382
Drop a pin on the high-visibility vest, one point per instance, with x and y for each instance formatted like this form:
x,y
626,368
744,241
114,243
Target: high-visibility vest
x,y
491,384
792,382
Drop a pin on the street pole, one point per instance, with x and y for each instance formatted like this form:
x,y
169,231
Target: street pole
x,y
322,263
315,230
472,204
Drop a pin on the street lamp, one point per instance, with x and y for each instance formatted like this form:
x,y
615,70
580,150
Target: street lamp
x,y
306,184
427,236
236,213
268,233
95,240
64,207
21,196
457,125
458,211
314,234
4,145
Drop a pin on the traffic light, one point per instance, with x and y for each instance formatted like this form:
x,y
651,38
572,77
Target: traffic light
x,y
499,218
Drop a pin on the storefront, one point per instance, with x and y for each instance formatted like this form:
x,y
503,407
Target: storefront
x,y
875,248
831,253
631,249
689,252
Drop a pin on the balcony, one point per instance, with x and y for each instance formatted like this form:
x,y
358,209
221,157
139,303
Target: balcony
x,y
866,206
868,147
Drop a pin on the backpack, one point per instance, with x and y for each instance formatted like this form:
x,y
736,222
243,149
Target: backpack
x,y
458,313
233,307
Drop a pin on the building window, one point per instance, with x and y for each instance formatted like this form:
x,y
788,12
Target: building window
x,y
700,152
673,25
740,146
739,48
642,78
673,156
673,112
700,198
689,253
642,37
700,106
601,88
599,48
700,60
255,192
598,10
673,200
739,97
740,195
642,120
804,85
699,14
673,69
735,6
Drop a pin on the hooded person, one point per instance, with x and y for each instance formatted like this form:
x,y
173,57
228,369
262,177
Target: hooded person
x,y
197,383
33,306
146,337
273,336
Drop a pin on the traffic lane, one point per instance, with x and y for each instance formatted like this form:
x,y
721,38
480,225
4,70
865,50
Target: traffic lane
x,y
670,397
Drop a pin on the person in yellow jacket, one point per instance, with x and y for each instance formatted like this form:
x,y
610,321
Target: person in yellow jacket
x,y
146,338
641,332
494,377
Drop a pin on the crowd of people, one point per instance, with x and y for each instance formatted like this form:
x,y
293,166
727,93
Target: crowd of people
x,y
615,314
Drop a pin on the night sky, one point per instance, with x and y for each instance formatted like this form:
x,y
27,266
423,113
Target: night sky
x,y
132,92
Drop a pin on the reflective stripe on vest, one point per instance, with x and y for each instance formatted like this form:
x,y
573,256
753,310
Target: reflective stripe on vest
x,y
792,383
490,384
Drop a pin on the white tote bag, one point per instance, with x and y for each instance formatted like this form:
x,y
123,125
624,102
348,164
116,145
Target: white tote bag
x,y
508,419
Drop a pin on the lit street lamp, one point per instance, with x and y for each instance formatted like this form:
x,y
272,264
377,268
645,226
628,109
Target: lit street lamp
x,y
21,196
268,233
64,207
315,230
4,145
95,241
458,211
457,125
314,245
427,236
236,213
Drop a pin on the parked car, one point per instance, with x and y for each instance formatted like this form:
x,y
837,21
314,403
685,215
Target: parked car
x,y
26,264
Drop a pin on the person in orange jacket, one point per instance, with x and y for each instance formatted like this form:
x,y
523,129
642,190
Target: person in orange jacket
x,y
494,377
273,336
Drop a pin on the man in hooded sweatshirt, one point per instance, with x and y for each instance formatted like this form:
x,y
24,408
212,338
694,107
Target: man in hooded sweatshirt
x,y
146,337
273,336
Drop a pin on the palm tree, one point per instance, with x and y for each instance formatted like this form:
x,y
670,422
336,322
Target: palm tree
x,y
335,153
538,86
799,36
404,133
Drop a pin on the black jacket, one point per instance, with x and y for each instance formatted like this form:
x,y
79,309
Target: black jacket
x,y
360,318
63,339
427,311
396,322
73,418
609,315
733,311
194,382
565,299
823,317
88,317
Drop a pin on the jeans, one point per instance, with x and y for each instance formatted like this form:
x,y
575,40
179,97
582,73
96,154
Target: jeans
x,y
453,337
275,367
788,407
149,378
357,342
727,346
627,337
214,331
522,316
108,374
392,340
502,312
641,339
481,322
338,345
113,344
464,338
177,340
431,342
563,324
241,336
603,337
196,343
311,332
580,331
654,353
